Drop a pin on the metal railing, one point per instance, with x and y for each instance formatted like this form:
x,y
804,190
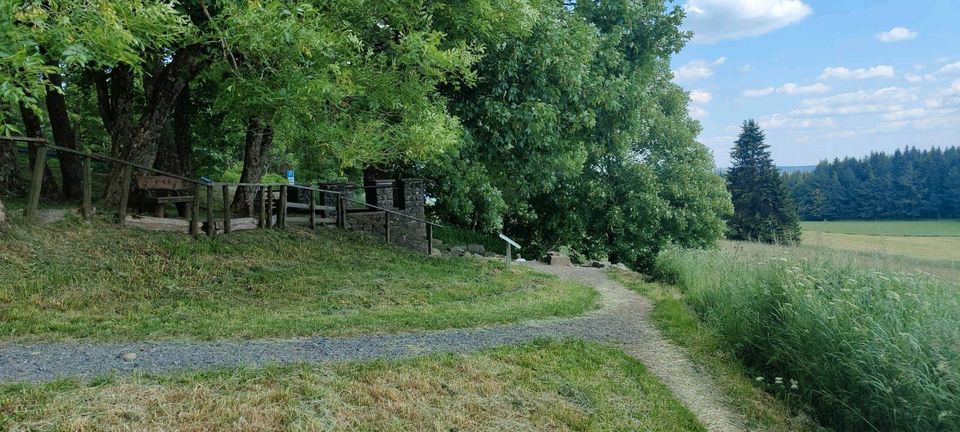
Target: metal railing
x,y
263,190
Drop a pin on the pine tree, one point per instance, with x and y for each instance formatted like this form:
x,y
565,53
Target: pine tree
x,y
763,211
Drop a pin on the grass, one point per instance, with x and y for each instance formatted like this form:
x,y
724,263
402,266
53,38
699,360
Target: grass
x,y
868,348
78,281
923,228
679,324
541,386
933,248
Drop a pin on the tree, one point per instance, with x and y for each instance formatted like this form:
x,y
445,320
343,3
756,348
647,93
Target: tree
x,y
762,209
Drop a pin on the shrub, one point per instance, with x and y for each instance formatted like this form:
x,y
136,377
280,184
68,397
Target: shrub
x,y
865,349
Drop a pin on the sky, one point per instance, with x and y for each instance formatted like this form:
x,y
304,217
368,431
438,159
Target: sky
x,y
825,78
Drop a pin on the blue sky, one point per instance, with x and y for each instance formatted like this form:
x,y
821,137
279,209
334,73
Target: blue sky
x,y
825,78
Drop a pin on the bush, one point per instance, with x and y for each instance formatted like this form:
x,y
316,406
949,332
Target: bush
x,y
865,349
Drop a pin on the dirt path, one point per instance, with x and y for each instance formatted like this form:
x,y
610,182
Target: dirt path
x,y
620,320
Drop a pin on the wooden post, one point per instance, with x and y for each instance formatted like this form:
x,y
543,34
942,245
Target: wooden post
x,y
87,191
282,217
341,212
509,250
36,183
125,193
313,211
226,210
195,211
269,207
429,239
211,227
386,226
263,208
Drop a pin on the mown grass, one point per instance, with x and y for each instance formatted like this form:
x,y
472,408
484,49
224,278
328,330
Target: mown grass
x,y
679,324
930,248
541,386
866,349
73,280
903,228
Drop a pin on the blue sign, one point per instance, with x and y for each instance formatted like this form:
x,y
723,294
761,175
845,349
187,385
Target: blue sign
x,y
290,178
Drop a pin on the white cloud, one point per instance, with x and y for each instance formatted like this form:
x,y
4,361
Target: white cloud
x,y
700,96
916,78
817,111
745,68
788,88
697,70
880,71
907,114
698,113
896,34
946,97
883,95
713,20
781,121
766,91
950,68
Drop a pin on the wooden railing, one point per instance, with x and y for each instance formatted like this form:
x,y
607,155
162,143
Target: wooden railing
x,y
263,190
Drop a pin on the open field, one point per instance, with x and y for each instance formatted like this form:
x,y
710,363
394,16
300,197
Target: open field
x,y
73,280
934,248
866,346
923,228
543,386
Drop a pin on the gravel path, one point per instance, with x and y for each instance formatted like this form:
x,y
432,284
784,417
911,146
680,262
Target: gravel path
x,y
620,320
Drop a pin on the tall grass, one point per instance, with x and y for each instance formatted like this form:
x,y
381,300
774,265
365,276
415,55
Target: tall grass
x,y
865,349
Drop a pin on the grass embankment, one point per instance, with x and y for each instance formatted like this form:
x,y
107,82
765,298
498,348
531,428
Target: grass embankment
x,y
679,324
866,349
98,281
542,386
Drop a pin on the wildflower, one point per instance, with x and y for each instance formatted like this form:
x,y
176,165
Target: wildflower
x,y
778,381
759,379
794,384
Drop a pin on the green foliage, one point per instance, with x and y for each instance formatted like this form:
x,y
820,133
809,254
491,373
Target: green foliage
x,y
580,129
908,184
867,349
763,211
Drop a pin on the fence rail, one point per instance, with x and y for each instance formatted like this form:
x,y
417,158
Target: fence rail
x,y
265,217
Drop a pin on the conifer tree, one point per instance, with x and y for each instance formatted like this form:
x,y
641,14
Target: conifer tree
x,y
762,208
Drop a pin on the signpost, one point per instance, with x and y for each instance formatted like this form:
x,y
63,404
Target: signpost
x,y
291,180
510,244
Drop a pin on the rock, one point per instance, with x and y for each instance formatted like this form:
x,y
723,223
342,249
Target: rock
x,y
437,243
620,266
598,264
457,250
555,259
476,249
129,357
489,254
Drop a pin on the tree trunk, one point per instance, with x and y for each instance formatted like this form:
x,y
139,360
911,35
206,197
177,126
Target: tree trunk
x,y
163,91
34,129
258,142
10,182
71,168
182,133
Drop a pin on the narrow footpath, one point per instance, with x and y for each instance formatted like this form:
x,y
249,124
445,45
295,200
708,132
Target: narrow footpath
x,y
621,320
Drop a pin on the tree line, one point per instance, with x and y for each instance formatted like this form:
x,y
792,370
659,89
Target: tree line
x,y
908,184
554,121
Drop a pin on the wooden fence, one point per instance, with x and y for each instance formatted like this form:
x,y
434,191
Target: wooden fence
x,y
265,216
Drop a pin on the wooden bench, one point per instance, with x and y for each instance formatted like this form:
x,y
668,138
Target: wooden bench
x,y
154,192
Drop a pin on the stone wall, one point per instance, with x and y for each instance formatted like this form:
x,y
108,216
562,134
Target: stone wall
x,y
405,232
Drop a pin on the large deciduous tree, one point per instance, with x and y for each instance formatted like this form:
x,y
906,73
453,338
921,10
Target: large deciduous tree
x,y
763,211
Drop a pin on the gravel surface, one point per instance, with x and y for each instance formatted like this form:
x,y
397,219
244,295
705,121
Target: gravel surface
x,y
620,320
